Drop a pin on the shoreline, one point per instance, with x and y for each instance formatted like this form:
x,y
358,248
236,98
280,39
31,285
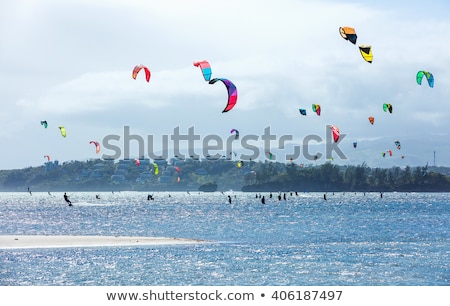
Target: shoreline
x,y
64,241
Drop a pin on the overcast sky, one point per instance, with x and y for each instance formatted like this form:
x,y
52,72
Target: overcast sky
x,y
70,63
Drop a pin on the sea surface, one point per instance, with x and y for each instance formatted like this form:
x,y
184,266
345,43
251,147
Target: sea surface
x,y
349,239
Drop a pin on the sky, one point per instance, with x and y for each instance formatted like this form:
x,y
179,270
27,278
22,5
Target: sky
x,y
70,63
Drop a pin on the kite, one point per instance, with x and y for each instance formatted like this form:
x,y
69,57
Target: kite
x,y
302,111
237,133
47,156
138,68
371,120
270,155
232,93
316,108
137,162
336,133
97,146
44,123
155,169
397,144
428,75
383,154
63,131
177,169
387,107
206,69
355,144
390,152
348,33
366,52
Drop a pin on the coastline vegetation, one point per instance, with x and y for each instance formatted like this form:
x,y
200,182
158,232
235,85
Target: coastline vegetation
x,y
186,175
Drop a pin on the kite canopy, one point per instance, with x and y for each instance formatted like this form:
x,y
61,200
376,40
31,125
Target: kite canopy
x,y
387,107
302,111
237,133
349,34
155,169
355,144
47,156
232,93
44,123
206,69
366,52
336,133
63,131
97,146
316,108
138,68
371,120
428,75
397,144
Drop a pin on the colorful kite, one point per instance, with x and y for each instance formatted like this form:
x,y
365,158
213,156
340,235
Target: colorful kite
x,y
316,108
97,146
387,107
336,133
232,93
349,34
63,131
236,136
138,68
206,69
155,169
366,52
428,75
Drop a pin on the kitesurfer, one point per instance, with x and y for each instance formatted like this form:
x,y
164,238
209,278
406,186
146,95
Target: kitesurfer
x,y
263,200
66,198
325,196
150,197
97,197
229,199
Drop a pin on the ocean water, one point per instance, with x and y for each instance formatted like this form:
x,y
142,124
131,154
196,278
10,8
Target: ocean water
x,y
350,239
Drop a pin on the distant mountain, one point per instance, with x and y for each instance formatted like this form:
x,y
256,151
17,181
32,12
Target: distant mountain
x,y
208,187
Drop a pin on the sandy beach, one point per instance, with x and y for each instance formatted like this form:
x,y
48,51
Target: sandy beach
x,y
21,242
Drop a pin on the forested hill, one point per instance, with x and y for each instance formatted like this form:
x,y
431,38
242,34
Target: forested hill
x,y
182,175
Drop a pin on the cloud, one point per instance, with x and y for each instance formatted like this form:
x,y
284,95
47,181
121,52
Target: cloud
x,y
71,63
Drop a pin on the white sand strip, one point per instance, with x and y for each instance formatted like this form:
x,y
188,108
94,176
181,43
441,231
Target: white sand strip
x,y
21,242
